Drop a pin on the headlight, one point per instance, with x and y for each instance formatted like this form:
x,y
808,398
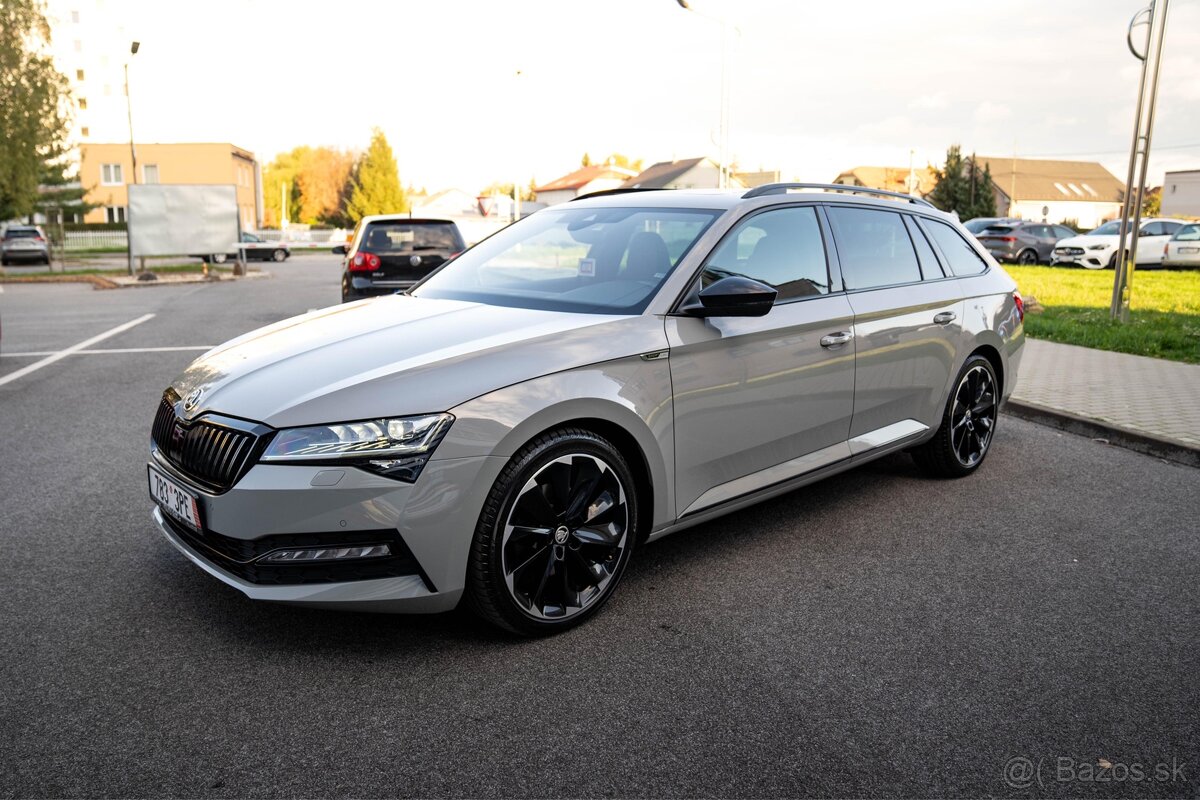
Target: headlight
x,y
1099,246
397,447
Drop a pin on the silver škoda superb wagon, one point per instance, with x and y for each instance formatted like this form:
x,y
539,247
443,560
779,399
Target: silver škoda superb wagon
x,y
595,376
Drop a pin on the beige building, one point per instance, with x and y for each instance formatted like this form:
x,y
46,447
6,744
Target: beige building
x,y
106,169
917,180
1083,192
585,180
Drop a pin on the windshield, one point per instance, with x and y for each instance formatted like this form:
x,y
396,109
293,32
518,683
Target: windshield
x,y
1107,229
382,238
593,260
1188,233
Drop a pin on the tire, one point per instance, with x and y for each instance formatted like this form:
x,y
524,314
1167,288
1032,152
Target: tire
x,y
218,258
278,256
1027,258
1112,263
957,449
537,514
3,262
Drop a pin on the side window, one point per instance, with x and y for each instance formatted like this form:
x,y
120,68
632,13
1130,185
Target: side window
x,y
1039,231
930,269
782,248
1152,229
1169,228
874,248
1061,232
960,256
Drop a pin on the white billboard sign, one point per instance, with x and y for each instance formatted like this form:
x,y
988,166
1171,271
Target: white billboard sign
x,y
174,220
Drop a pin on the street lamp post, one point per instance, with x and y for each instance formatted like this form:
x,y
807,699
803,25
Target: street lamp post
x,y
133,48
1139,152
727,29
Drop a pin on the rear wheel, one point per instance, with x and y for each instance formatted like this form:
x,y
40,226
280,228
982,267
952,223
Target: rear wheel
x,y
1027,258
555,534
968,423
278,255
218,258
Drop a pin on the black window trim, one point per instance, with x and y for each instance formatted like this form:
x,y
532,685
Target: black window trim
x,y
915,230
832,264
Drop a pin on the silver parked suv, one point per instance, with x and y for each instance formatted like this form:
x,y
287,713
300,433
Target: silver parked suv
x,y
597,375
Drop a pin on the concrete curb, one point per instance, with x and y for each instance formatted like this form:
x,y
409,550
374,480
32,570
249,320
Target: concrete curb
x,y
1140,442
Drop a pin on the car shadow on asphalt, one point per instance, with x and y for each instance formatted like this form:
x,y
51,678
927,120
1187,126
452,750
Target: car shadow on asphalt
x,y
224,613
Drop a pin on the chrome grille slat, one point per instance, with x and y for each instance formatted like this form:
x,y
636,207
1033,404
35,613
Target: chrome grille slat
x,y
214,455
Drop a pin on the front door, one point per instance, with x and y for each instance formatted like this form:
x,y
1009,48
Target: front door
x,y
759,400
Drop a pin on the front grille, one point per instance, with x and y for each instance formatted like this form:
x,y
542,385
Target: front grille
x,y
238,556
214,451
1069,251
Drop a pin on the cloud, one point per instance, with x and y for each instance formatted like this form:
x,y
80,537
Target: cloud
x,y
987,111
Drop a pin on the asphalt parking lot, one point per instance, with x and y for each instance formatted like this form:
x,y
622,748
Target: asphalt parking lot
x,y
875,634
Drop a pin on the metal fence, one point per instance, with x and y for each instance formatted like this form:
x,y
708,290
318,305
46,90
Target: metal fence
x,y
94,240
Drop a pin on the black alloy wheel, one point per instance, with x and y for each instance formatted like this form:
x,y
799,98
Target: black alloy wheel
x,y
968,423
555,534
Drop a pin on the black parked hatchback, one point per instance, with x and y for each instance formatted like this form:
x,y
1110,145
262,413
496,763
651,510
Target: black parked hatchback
x,y
389,253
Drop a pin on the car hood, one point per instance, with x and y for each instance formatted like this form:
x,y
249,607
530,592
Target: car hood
x,y
1085,241
399,355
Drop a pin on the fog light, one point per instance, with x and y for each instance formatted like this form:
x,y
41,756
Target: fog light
x,y
328,554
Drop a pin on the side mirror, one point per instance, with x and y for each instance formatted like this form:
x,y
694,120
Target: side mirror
x,y
735,296
339,249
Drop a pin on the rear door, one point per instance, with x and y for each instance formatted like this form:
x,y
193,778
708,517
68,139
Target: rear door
x,y
1153,240
907,323
759,400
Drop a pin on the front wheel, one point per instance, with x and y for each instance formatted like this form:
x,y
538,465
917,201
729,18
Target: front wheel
x,y
278,256
555,534
968,423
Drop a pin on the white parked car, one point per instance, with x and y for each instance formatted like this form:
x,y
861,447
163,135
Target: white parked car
x,y
1183,249
1098,249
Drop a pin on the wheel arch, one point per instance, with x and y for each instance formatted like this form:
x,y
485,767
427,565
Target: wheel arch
x,y
992,354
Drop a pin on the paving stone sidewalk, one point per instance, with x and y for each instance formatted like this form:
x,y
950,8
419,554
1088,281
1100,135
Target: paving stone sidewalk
x,y
1147,396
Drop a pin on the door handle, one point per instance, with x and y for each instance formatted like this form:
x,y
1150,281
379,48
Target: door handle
x,y
835,339
945,318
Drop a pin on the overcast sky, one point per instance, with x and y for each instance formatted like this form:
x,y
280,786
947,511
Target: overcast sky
x,y
818,87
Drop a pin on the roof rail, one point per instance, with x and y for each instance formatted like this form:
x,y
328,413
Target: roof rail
x,y
607,192
782,188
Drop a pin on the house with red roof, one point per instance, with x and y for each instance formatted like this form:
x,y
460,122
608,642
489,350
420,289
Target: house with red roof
x,y
593,178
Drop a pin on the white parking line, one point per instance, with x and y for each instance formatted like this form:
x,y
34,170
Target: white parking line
x,y
61,354
99,351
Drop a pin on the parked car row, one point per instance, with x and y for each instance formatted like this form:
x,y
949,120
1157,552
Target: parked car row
x,y
1165,242
256,249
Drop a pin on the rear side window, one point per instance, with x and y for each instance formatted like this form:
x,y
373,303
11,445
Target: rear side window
x,y
960,256
395,237
873,247
930,269
782,248
1170,228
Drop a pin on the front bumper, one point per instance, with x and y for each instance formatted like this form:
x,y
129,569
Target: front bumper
x,y
1081,257
434,518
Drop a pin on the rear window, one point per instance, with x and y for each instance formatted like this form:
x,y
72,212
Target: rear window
x,y
396,237
1188,233
874,248
997,229
960,256
21,233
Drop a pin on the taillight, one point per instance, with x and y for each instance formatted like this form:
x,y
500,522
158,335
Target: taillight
x,y
1008,238
1020,305
38,239
364,262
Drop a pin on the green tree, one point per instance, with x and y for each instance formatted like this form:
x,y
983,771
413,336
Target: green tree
x,y
1152,202
506,190
962,187
375,185
279,177
60,195
34,105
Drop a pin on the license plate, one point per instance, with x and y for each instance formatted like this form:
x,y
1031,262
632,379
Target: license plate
x,y
174,499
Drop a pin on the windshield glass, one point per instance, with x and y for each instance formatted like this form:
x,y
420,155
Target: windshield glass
x,y
1188,233
1107,229
394,237
593,260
